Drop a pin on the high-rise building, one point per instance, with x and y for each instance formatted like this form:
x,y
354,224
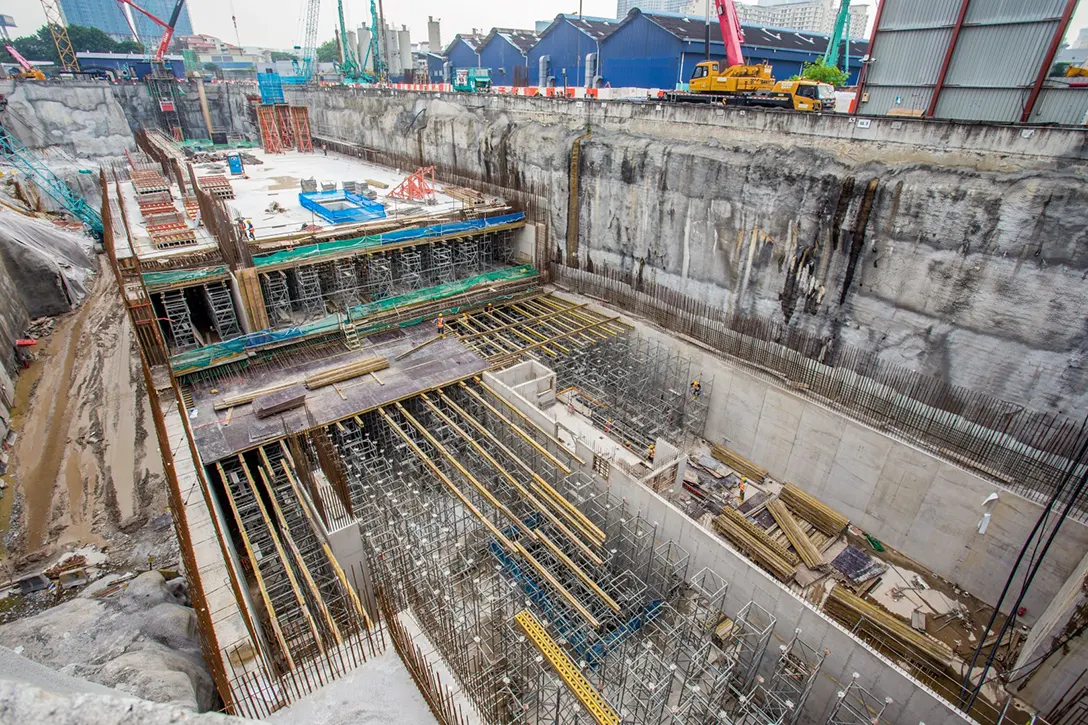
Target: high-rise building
x,y
1081,43
109,18
814,16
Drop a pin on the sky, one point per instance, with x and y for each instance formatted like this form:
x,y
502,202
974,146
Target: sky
x,y
278,23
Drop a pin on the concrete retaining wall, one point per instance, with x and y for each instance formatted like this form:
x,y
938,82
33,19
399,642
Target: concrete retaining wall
x,y
925,507
911,703
956,250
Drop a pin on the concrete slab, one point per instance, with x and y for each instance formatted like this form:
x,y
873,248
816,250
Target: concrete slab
x,y
902,486
814,450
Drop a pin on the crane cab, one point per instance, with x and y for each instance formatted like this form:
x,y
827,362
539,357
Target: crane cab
x,y
808,95
711,77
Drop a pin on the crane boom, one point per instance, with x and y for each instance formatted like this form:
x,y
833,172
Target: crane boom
x,y
167,26
834,54
732,35
23,62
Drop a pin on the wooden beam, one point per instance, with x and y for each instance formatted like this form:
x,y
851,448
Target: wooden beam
x,y
528,495
552,439
578,572
256,569
564,469
562,590
282,554
506,543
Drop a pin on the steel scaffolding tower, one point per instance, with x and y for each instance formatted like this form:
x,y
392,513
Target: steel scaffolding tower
x,y
277,298
222,306
181,324
310,300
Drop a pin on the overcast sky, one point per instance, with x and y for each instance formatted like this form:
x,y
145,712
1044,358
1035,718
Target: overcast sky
x,y
278,23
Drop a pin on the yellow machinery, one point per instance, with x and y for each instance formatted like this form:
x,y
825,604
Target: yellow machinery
x,y
1074,71
27,71
753,85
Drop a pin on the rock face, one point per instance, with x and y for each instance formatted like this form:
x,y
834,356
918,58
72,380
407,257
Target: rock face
x,y
956,251
141,640
82,120
21,703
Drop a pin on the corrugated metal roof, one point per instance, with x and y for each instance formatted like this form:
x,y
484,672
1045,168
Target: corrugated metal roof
x,y
691,28
1062,105
1000,56
913,14
909,57
472,40
596,28
1011,11
997,105
883,100
523,40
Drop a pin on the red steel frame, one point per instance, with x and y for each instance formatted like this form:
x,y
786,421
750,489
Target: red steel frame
x,y
947,58
1048,61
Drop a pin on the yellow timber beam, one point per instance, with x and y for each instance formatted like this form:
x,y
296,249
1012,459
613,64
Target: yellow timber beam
x,y
587,694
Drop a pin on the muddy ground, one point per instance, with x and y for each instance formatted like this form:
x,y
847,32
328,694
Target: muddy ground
x,y
86,466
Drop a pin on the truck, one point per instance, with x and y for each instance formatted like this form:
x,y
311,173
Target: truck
x,y
738,83
752,86
472,80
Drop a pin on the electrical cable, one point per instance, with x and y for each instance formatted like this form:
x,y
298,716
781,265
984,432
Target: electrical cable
x,y
1039,524
1030,576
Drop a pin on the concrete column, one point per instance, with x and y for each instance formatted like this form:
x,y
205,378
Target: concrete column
x,y
204,104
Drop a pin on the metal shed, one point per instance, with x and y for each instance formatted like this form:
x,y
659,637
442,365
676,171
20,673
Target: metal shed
x,y
564,46
505,52
970,60
660,50
462,51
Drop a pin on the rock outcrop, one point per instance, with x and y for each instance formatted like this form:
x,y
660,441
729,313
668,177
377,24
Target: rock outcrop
x,y
140,639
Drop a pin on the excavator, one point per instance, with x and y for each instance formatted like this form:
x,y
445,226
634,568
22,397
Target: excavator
x,y
741,84
28,72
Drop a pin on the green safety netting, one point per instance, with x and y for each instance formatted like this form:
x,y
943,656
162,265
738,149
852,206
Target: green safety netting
x,y
192,360
176,276
357,244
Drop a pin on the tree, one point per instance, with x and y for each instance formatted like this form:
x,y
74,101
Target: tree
x,y
821,72
280,55
210,67
328,52
40,46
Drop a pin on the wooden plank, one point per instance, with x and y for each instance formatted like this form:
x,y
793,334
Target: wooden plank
x,y
797,538
256,570
823,517
557,586
532,423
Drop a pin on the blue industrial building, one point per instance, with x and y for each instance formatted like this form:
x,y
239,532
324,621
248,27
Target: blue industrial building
x,y
108,17
133,66
660,50
462,52
436,66
505,52
564,46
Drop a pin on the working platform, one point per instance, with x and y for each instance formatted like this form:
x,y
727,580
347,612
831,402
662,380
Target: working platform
x,y
220,433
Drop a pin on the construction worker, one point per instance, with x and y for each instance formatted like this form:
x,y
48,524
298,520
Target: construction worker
x,y
250,231
652,452
696,389
441,324
742,487
325,149
490,307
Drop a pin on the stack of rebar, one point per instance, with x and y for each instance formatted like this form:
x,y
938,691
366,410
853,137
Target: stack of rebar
x,y
811,509
797,537
347,372
754,542
889,633
738,463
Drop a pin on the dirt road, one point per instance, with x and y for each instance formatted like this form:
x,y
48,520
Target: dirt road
x,y
85,465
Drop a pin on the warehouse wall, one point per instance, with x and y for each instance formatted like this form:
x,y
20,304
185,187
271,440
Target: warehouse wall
x,y
956,250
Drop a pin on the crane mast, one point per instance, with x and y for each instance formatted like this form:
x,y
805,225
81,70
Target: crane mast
x,y
54,19
309,41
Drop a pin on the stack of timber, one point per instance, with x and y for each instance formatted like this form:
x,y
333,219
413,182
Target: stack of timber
x,y
738,463
754,542
798,539
811,509
279,401
249,288
347,372
230,401
884,630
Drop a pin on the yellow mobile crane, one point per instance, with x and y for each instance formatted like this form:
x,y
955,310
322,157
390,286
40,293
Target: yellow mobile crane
x,y
741,84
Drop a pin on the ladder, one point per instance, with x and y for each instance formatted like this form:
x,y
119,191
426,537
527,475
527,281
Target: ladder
x,y
181,324
351,335
277,299
226,321
345,282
